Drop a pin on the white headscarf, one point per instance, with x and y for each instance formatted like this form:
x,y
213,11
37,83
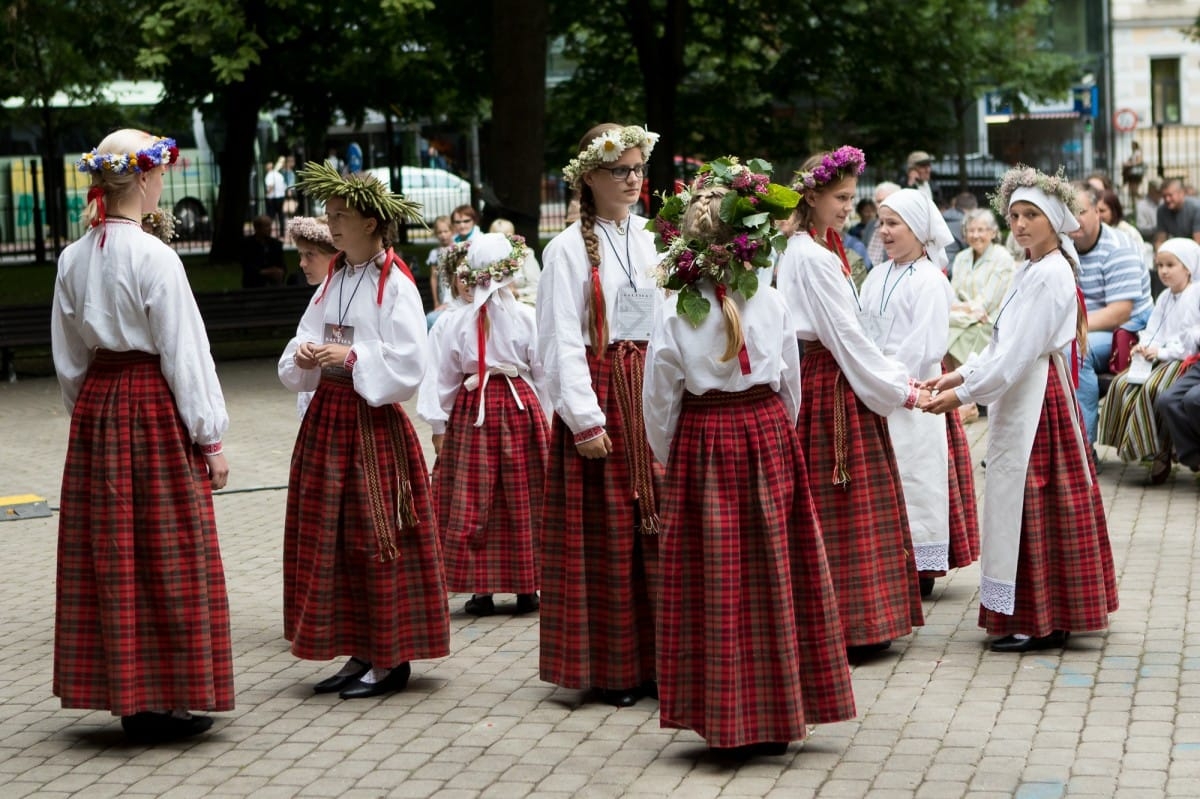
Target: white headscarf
x,y
1187,251
924,220
1062,221
487,249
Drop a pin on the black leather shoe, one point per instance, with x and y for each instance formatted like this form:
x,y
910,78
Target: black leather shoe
x,y
480,605
527,603
620,697
397,680
331,685
1160,470
1010,643
761,749
926,586
649,688
864,651
160,727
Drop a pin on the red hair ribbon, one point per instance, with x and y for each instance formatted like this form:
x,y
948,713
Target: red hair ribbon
x,y
598,299
743,355
481,332
96,193
391,259
1075,341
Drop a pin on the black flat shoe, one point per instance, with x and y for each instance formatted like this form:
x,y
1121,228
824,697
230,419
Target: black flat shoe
x,y
396,680
161,727
649,688
761,749
480,605
331,685
864,651
620,697
527,603
1010,643
926,586
1160,471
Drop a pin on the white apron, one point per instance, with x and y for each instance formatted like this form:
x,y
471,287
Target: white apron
x,y
922,458
1013,421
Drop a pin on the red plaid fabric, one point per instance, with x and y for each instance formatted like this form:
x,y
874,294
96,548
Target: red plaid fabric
x,y
340,596
142,619
964,515
864,523
1065,575
487,489
750,646
598,570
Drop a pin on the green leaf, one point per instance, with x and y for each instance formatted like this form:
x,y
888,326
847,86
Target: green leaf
x,y
760,166
692,306
779,199
754,220
729,207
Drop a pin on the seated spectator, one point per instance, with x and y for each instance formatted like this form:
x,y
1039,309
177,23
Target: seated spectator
x,y
955,216
1178,216
262,257
876,254
465,220
1127,420
980,278
1147,209
1113,214
866,211
1116,291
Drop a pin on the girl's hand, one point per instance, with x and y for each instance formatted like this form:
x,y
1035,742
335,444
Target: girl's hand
x,y
437,443
218,470
306,356
598,447
943,401
331,355
944,382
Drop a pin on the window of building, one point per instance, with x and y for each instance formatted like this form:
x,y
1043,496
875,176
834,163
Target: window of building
x,y
1164,91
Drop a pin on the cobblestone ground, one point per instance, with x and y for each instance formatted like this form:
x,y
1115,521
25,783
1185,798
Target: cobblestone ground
x,y
1115,715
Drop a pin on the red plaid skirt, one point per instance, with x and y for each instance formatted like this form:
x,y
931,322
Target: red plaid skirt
x,y
864,522
750,647
344,593
598,568
142,619
964,515
487,488
1065,575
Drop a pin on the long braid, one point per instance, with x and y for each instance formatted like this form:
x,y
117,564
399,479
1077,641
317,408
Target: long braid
x,y
597,318
1081,320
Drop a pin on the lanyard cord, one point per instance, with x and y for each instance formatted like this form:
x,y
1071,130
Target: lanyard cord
x,y
628,270
344,310
886,297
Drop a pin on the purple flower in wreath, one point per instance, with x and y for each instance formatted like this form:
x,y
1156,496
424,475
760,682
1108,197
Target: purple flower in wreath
x,y
744,248
686,267
666,230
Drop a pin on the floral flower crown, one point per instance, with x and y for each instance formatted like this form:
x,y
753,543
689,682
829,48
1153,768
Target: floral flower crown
x,y
839,163
161,152
606,148
161,224
311,229
748,207
1055,185
450,259
496,271
361,191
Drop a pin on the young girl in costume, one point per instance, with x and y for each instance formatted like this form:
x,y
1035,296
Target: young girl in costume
x,y
1046,561
362,567
440,293
142,619
599,517
849,387
750,645
1127,418
490,430
314,245
907,302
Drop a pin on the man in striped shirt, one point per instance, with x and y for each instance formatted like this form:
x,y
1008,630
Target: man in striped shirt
x,y
1116,290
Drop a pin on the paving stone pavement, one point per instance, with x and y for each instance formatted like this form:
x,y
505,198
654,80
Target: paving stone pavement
x,y
1115,715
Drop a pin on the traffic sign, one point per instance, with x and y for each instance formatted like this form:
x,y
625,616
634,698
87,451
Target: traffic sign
x,y
1125,119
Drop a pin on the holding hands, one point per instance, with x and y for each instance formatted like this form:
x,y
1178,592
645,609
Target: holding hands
x,y
942,397
310,355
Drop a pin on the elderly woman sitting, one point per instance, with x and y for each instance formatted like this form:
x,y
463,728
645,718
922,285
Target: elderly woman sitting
x,y
980,278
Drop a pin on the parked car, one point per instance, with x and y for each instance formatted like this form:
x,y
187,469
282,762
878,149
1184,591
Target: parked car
x,y
439,192
685,170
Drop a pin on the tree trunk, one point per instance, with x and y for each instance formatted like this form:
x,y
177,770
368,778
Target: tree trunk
x,y
241,102
661,63
518,112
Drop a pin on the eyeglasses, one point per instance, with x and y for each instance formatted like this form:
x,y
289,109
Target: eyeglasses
x,y
623,172
462,221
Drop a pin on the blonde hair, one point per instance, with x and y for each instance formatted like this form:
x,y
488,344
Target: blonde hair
x,y
116,186
702,223
597,320
503,226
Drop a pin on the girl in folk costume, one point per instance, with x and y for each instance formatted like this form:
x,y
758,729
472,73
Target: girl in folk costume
x,y
906,302
314,245
1127,418
1047,568
490,430
142,619
361,563
599,523
849,386
749,665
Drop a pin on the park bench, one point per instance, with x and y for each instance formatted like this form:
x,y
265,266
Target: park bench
x,y
249,314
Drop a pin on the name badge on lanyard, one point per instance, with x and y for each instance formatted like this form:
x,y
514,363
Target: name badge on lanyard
x,y
338,334
635,313
877,326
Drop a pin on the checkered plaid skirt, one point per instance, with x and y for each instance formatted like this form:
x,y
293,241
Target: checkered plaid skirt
x,y
863,520
750,646
599,570
142,618
487,489
964,515
1065,575
362,566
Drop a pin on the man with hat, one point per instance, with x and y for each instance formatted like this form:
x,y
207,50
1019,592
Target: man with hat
x,y
917,170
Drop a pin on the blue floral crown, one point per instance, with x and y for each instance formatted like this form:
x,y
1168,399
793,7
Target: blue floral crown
x,y
162,152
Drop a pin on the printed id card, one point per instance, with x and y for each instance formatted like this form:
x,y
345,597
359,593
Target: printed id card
x,y
635,314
